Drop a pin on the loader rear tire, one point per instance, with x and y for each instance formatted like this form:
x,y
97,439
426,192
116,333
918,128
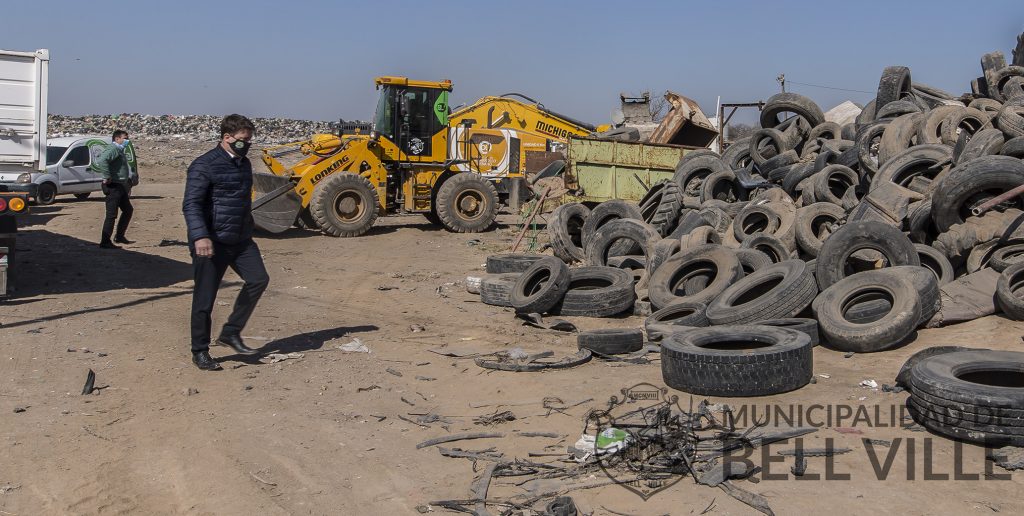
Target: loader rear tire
x,y
344,205
467,203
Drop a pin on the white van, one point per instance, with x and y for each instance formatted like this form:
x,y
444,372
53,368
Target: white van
x,y
69,169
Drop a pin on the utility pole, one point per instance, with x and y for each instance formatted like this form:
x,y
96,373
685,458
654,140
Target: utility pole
x,y
782,81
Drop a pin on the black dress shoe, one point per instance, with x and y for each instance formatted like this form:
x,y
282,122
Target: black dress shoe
x,y
204,361
235,343
108,245
123,240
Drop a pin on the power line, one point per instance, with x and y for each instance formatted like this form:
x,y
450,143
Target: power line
x,y
827,87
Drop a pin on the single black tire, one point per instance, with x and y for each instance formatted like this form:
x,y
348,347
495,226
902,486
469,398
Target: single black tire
x,y
985,142
867,114
868,140
602,244
889,330
895,84
82,196
717,218
803,325
833,182
752,260
606,212
661,205
1010,291
895,247
898,136
767,143
738,154
662,251
667,284
929,161
1003,257
927,285
737,360
495,289
671,319
959,121
779,291
936,262
688,221
722,186
1013,147
972,378
47,194
825,130
755,218
1010,119
611,341
897,109
796,176
467,203
814,225
510,262
785,159
776,250
694,168
540,287
597,292
565,230
344,205
971,183
794,103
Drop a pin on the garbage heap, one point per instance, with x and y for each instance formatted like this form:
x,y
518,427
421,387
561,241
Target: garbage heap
x,y
191,127
854,236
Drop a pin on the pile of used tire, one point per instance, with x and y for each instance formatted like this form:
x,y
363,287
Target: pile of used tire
x,y
804,230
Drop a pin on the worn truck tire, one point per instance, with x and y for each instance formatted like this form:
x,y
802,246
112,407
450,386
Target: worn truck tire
x,y
606,212
985,142
722,186
565,229
752,260
667,284
1006,255
661,205
540,287
755,218
832,183
858,236
737,361
929,161
936,262
467,203
510,262
611,341
889,330
693,169
1010,119
344,205
495,289
766,143
717,218
779,291
776,250
825,130
813,225
738,154
1010,291
784,159
597,292
970,184
898,135
927,285
1013,147
895,84
897,109
869,138
679,317
604,241
803,325
790,103
959,121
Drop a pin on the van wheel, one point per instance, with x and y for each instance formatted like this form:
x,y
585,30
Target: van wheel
x,y
82,196
46,195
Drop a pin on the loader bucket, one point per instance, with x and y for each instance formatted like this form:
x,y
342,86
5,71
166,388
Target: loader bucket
x,y
275,205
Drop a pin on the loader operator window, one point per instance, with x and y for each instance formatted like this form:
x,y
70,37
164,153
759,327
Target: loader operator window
x,y
384,117
406,117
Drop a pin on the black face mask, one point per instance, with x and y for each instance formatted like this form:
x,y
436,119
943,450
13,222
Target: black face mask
x,y
240,148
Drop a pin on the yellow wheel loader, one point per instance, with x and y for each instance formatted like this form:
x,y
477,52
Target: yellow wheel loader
x,y
455,167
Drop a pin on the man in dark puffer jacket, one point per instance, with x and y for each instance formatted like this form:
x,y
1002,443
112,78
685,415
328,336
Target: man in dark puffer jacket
x,y
217,207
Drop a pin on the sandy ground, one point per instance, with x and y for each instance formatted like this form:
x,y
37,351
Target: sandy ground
x,y
321,434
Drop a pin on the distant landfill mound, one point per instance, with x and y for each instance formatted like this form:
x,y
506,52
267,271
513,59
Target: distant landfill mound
x,y
192,127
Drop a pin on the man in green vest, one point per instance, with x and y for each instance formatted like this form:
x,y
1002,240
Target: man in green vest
x,y
112,165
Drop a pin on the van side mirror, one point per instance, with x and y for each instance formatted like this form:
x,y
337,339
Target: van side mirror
x,y
68,163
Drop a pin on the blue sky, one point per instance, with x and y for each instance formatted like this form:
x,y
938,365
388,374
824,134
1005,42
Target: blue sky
x,y
317,60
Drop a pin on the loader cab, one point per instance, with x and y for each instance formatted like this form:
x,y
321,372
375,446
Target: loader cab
x,y
413,115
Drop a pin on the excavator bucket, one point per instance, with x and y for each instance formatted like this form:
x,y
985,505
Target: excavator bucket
x,y
275,205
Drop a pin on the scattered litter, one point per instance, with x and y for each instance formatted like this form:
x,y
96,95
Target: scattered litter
x,y
535,320
1010,458
455,353
370,388
459,437
878,442
274,358
889,388
825,376
386,287
474,241
394,372
416,328
19,410
4,489
870,384
426,378
848,354
495,419
191,391
170,242
505,362
356,346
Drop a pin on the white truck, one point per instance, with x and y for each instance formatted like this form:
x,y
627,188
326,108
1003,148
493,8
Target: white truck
x,y
23,95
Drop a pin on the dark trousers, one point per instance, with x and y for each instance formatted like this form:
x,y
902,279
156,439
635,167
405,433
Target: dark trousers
x,y
243,258
117,198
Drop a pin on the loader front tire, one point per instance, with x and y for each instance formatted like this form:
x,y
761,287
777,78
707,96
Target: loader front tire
x,y
344,205
467,203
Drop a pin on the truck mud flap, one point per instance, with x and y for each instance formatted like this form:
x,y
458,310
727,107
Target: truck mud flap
x,y
275,204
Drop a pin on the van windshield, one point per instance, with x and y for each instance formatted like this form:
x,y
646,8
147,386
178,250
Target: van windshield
x,y
53,154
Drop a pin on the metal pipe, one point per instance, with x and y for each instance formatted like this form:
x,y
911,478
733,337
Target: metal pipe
x,y
987,205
